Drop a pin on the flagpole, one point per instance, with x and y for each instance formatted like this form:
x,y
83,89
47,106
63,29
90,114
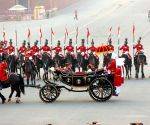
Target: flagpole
x,y
16,39
51,41
118,39
133,35
29,33
77,33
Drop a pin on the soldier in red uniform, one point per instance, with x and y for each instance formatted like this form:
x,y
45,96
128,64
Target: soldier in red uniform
x,y
116,73
58,48
35,49
82,49
23,48
69,48
125,48
28,52
3,73
10,49
110,46
139,49
92,48
46,48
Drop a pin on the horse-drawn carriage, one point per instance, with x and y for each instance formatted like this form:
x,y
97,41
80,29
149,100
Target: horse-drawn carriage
x,y
98,84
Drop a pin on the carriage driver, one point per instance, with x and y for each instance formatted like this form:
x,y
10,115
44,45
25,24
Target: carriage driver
x,y
3,72
139,49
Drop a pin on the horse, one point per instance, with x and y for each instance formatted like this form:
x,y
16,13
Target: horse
x,y
139,61
30,71
39,64
58,60
93,60
70,59
127,65
20,62
47,63
106,59
12,63
16,82
81,62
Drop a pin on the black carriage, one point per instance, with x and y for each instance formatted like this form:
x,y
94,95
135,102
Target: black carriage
x,y
98,84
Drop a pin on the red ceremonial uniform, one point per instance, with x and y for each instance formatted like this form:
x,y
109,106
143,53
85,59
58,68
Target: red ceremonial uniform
x,y
118,79
125,48
35,49
112,66
46,48
138,47
10,49
22,49
57,49
69,48
1,50
82,49
3,73
116,71
92,49
29,53
111,47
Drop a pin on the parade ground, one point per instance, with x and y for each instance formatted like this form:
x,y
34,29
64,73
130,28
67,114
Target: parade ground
x,y
102,18
132,105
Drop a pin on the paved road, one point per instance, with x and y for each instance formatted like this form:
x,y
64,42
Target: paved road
x,y
133,104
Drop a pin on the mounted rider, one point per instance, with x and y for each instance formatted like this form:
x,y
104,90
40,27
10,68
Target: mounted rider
x,y
28,52
3,72
58,49
82,49
125,49
35,49
110,46
69,48
92,52
92,48
10,49
23,48
46,48
139,50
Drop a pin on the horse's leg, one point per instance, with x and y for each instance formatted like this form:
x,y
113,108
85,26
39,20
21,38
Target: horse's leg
x,y
142,70
137,71
10,96
18,95
3,98
27,79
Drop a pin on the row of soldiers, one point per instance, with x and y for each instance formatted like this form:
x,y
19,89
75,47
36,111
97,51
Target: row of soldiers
x,y
29,51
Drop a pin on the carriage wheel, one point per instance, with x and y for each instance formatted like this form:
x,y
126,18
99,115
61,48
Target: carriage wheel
x,y
101,90
48,93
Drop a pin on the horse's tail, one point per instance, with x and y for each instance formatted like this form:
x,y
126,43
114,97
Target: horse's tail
x,y
21,84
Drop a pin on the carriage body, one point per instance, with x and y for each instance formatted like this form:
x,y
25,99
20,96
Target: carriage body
x,y
98,84
78,79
